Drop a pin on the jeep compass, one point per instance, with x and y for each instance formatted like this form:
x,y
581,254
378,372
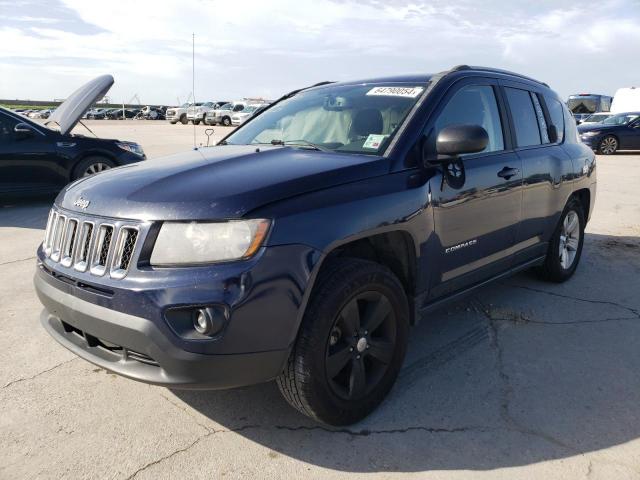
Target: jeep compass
x,y
304,246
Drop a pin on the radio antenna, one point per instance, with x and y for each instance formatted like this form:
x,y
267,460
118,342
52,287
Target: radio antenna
x,y
193,83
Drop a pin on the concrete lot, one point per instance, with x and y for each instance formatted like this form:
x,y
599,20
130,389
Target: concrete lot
x,y
523,380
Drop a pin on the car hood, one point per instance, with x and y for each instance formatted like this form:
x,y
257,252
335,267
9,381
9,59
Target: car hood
x,y
67,115
215,183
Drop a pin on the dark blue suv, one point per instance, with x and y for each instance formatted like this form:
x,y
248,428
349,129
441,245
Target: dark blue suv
x,y
304,245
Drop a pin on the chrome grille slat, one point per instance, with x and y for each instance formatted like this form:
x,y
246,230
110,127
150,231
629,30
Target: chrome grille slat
x,y
90,244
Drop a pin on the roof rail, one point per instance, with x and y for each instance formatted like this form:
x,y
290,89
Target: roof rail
x,y
496,70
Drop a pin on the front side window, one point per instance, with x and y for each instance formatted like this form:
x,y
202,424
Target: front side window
x,y
524,117
474,105
358,119
621,119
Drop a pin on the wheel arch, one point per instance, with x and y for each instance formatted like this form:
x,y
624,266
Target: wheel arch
x,y
393,248
91,153
584,196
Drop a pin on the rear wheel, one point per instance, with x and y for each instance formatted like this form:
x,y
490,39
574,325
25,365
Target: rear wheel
x,y
183,119
351,343
91,166
608,145
195,122
566,243
226,121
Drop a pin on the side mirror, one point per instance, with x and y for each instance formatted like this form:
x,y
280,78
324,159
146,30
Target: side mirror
x,y
455,140
23,130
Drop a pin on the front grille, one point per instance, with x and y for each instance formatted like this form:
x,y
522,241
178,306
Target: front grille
x,y
95,245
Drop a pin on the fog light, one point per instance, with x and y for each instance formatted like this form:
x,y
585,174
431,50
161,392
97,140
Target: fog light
x,y
202,321
196,323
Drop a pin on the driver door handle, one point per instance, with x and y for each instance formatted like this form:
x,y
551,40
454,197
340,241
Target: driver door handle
x,y
508,172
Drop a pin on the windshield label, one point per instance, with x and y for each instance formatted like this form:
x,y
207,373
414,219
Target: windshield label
x,y
409,92
374,141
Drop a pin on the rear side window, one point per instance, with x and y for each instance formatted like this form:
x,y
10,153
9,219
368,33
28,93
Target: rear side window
x,y
524,117
556,116
474,105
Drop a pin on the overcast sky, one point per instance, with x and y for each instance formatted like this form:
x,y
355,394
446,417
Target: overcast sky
x,y
268,47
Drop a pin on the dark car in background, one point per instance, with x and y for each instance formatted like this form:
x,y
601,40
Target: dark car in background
x,y
43,158
117,113
303,246
617,132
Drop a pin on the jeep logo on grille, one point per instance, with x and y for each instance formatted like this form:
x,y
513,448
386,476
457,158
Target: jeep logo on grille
x,y
81,203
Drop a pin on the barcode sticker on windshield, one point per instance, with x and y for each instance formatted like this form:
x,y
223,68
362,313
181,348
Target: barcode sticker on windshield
x,y
374,141
409,92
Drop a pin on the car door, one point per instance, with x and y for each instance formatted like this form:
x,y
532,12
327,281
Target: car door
x,y
475,217
631,139
546,168
28,160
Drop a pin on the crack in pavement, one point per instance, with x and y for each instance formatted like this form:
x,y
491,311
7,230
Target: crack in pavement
x,y
507,388
17,261
13,382
634,311
346,431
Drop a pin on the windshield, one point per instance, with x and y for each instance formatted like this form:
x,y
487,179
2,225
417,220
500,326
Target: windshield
x,y
351,119
621,119
584,104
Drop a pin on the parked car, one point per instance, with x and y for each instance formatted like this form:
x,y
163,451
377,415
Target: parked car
x,y
116,113
222,115
305,244
178,114
151,112
241,117
36,158
626,100
97,114
42,114
618,132
595,118
198,112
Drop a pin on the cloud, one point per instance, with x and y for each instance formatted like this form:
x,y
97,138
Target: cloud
x,y
262,48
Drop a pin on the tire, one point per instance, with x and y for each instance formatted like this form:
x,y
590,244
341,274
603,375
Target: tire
x,y
183,119
226,121
325,341
556,267
608,145
195,122
173,122
95,163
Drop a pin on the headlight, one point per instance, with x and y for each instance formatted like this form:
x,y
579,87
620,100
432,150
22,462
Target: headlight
x,y
590,134
131,147
199,242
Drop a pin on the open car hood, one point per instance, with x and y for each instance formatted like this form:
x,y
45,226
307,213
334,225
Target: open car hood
x,y
67,115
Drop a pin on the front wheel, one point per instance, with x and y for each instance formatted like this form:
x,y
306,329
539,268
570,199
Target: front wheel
x,y
226,121
351,343
565,247
183,119
91,166
608,145
195,122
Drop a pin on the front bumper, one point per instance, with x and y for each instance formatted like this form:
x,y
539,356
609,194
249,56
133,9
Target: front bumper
x,y
126,331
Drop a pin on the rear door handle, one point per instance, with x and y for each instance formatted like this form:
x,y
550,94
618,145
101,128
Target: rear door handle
x,y
508,172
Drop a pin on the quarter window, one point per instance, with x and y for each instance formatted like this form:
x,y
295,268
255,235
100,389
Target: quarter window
x,y
556,116
524,117
474,105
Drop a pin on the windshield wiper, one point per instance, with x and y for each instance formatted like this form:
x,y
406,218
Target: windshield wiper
x,y
299,143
